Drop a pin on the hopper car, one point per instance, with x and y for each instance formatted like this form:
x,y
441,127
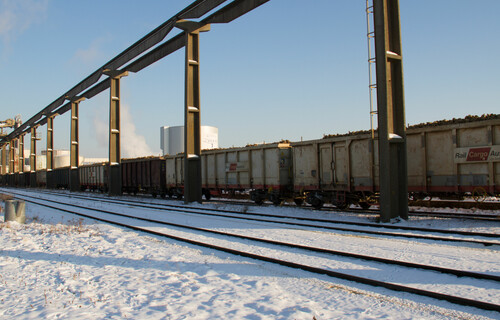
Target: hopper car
x,y
446,159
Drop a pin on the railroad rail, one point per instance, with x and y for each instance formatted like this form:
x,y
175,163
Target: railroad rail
x,y
441,214
326,224
112,217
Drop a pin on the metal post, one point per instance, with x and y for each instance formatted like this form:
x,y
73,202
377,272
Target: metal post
x,y
4,159
74,177
33,158
12,156
50,151
391,112
115,174
192,135
21,154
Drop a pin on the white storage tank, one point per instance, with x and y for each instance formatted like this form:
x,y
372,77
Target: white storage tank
x,y
172,139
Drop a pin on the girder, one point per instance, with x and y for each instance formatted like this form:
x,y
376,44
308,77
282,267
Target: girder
x,y
195,10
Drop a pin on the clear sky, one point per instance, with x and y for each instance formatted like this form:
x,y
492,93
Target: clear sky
x,y
290,69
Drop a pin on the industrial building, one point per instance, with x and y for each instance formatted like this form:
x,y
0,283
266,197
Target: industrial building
x,y
172,139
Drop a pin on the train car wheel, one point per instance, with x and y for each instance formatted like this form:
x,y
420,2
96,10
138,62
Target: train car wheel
x,y
364,205
207,195
479,194
342,205
317,203
298,202
277,201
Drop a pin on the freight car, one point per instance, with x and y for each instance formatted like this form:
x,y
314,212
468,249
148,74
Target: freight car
x,y
448,158
263,171
144,175
60,178
94,177
260,171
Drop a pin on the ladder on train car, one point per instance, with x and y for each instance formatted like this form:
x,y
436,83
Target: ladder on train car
x,y
372,85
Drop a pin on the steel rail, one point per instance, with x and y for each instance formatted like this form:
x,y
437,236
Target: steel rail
x,y
195,210
459,273
364,224
457,232
344,276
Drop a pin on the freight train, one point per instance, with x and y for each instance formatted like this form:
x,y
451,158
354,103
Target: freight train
x,y
446,158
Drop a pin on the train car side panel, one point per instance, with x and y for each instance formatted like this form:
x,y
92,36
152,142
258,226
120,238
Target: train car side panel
x,y
360,165
440,166
258,169
416,162
341,165
305,167
326,165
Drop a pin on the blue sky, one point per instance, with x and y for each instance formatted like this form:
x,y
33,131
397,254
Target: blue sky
x,y
291,69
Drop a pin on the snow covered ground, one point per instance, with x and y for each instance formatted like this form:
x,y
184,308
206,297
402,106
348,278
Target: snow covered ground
x,y
59,266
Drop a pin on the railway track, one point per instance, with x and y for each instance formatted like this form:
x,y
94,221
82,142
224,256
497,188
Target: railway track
x,y
288,253
454,236
440,214
266,252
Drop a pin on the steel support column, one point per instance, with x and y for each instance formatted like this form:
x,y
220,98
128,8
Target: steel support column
x,y
12,155
391,111
50,152
74,177
4,159
33,158
20,164
115,174
12,162
192,123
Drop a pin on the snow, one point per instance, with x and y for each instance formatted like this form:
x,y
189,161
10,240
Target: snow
x,y
61,266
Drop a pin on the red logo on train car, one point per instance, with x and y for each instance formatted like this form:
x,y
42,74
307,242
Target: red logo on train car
x,y
478,154
233,166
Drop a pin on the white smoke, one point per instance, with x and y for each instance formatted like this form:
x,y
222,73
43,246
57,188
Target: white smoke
x,y
133,145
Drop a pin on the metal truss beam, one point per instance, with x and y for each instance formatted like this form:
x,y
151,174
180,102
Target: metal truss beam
x,y
391,111
234,10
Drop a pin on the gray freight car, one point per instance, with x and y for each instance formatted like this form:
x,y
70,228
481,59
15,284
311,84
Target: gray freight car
x,y
263,171
94,177
449,158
